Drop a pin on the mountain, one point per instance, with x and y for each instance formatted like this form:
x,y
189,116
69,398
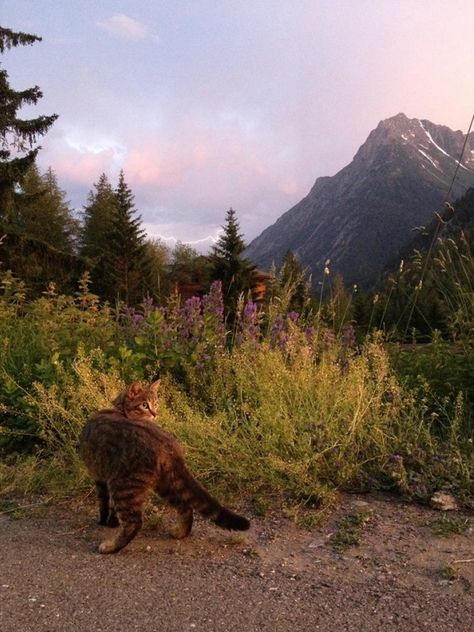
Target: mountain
x,y
360,218
455,222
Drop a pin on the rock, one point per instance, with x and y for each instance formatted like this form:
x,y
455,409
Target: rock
x,y
444,502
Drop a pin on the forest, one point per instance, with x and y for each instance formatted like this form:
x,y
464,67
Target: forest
x,y
281,392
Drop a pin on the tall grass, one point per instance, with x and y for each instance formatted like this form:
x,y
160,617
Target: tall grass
x,y
292,411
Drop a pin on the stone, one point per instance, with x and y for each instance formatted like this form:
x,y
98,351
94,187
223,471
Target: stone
x,y
443,501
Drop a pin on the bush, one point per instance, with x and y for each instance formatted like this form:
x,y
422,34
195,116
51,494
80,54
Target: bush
x,y
291,410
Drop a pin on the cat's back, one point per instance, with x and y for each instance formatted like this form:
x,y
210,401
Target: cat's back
x,y
111,424
108,430
110,441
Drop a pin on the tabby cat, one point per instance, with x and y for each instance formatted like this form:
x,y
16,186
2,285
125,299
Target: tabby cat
x,y
128,455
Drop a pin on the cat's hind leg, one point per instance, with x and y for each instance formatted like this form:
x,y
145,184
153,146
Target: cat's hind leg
x,y
177,496
185,521
103,497
128,502
107,516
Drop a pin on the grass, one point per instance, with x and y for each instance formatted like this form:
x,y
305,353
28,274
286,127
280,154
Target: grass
x,y
287,421
278,429
446,526
449,573
349,530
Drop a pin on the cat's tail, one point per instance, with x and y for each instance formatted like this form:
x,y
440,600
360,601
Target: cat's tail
x,y
190,491
227,519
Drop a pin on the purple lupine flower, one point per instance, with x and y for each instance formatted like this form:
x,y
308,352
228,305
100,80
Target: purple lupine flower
x,y
147,305
190,324
329,339
278,333
213,313
249,328
348,339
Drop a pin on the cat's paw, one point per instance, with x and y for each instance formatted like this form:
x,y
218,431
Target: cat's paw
x,y
108,546
181,531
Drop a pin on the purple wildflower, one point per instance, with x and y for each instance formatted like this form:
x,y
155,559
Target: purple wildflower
x,y
249,328
348,339
329,339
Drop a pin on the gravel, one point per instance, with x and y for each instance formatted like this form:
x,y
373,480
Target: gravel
x,y
275,578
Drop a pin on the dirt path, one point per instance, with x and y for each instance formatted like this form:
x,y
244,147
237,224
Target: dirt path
x,y
277,578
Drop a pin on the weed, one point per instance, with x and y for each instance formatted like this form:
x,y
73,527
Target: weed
x,y
291,411
449,573
349,530
260,505
446,525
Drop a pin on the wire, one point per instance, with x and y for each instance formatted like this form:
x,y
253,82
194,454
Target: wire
x,y
436,231
460,159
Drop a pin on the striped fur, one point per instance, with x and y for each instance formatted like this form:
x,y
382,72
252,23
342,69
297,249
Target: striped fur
x,y
128,455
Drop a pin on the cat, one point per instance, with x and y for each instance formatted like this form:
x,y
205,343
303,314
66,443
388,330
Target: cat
x,y
128,454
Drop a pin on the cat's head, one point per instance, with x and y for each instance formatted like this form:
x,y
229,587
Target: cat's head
x,y
138,401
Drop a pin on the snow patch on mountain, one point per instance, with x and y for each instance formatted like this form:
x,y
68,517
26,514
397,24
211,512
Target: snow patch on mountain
x,y
433,162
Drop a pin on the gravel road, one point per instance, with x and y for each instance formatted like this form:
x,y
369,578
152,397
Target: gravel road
x,y
276,578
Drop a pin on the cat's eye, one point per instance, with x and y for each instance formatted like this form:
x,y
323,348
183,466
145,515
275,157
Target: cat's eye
x,y
145,405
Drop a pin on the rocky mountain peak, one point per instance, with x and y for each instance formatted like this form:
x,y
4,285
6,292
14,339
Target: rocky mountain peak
x,y
363,215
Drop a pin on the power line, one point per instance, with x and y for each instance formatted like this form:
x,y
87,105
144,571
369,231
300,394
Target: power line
x,y
437,229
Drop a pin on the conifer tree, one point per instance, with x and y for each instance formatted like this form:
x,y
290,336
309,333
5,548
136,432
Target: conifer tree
x,y
44,213
125,268
17,136
98,218
228,265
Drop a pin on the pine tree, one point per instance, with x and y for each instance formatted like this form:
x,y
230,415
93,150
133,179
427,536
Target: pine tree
x,y
17,136
43,212
125,269
98,217
229,266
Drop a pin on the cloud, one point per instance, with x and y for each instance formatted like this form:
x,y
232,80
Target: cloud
x,y
184,180
127,28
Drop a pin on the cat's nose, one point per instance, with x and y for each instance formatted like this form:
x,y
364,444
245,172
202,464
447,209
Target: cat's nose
x,y
152,412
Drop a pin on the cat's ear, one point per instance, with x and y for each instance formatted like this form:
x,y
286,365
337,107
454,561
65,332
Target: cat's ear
x,y
154,386
134,389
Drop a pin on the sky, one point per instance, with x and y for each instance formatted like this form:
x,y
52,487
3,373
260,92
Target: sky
x,y
212,104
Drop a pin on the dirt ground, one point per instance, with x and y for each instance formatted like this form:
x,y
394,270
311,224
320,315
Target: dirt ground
x,y
277,577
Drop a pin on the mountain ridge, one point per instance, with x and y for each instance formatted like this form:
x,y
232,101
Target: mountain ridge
x,y
360,217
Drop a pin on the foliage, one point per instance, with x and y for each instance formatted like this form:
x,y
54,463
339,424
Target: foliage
x,y
349,530
447,526
290,412
187,266
17,136
38,339
158,257
229,266
442,373
293,278
124,262
432,289
97,221
43,204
